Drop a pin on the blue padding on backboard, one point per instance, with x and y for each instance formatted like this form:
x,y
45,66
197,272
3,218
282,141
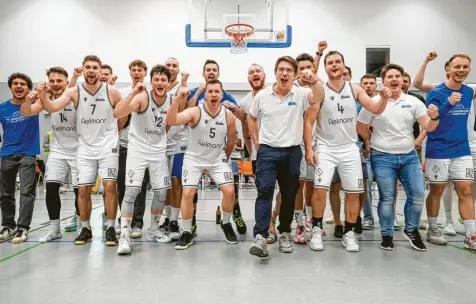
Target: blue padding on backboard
x,y
224,44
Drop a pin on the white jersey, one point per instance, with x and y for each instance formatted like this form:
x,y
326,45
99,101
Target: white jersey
x,y
173,90
207,138
96,125
147,131
336,127
64,142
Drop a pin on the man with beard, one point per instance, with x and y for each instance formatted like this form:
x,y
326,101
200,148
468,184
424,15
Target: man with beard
x,y
21,144
211,71
62,158
147,150
98,142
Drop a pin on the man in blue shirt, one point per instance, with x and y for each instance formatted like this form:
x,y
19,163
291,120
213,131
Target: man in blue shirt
x,y
448,155
21,144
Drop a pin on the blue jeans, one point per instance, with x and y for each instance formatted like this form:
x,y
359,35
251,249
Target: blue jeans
x,y
281,164
407,168
367,208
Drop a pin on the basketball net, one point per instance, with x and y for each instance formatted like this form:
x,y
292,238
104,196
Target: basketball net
x,y
239,34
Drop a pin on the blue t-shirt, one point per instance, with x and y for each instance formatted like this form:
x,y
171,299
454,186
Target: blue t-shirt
x,y
21,134
450,138
201,97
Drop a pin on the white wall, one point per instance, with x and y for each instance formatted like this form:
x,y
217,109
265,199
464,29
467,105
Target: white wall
x,y
37,34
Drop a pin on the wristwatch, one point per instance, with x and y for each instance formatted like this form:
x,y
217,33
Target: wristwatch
x,y
319,54
436,118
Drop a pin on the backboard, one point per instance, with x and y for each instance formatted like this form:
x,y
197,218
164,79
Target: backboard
x,y
209,18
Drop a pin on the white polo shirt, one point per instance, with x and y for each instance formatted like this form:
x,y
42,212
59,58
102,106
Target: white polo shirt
x,y
280,120
393,129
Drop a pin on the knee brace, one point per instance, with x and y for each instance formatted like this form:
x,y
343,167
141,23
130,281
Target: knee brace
x,y
158,202
130,196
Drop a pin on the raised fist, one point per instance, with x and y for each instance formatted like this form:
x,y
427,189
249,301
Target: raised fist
x,y
183,80
32,96
307,76
385,93
78,71
431,56
183,92
321,46
455,98
432,111
139,88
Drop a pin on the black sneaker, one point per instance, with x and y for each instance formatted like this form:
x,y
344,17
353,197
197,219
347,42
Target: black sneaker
x,y
415,239
230,234
339,231
85,236
185,241
194,226
166,225
111,239
174,232
387,243
240,224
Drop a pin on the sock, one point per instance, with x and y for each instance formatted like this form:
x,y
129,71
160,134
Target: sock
x,y
85,224
449,216
317,221
187,225
110,223
154,222
468,227
167,211
433,220
358,225
226,217
126,225
236,209
348,227
299,218
309,212
174,214
55,225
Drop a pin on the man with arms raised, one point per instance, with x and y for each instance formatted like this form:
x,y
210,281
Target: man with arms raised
x,y
98,142
209,124
337,148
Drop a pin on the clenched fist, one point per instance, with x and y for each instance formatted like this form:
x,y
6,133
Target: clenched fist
x,y
307,76
321,46
431,56
78,71
385,93
139,88
183,80
455,98
432,111
32,96
183,92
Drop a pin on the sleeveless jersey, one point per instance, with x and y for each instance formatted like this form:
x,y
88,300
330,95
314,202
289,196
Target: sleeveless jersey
x,y
336,127
147,132
207,138
64,143
97,128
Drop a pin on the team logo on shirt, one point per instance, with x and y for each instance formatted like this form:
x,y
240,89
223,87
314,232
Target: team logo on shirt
x,y
100,99
206,121
344,96
469,173
406,106
291,103
219,123
332,98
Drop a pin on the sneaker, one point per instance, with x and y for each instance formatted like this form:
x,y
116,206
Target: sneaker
x,y
415,239
111,238
387,243
339,231
72,225
175,231
165,225
285,244
423,225
84,236
316,239
230,235
51,235
259,247
124,245
396,225
19,236
136,233
185,241
470,243
104,221
300,236
449,229
194,226
367,224
161,237
330,219
240,224
435,236
350,242
6,233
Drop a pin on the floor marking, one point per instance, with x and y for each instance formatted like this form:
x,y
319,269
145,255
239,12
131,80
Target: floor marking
x,y
462,248
8,257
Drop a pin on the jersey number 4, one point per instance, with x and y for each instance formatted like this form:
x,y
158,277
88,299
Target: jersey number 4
x,y
340,108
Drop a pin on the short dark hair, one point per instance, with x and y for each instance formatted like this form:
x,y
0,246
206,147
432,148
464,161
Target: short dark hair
x,y
334,53
22,76
391,66
368,76
459,56
405,74
160,69
139,63
106,66
211,61
304,57
214,81
58,70
92,58
447,64
287,59
349,69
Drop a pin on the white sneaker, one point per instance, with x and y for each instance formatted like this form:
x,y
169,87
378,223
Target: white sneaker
x,y
124,245
330,219
435,236
350,242
51,235
470,243
136,233
159,236
285,243
20,236
72,225
449,229
6,233
316,239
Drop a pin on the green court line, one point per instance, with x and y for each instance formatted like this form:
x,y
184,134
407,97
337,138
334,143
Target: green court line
x,y
462,249
11,256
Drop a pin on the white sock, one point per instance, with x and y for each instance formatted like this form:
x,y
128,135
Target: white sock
x,y
154,222
309,212
468,227
55,225
111,223
226,217
298,217
85,224
174,214
126,225
449,216
433,220
187,225
167,211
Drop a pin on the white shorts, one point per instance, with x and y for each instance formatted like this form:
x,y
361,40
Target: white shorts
x,y
306,172
192,172
57,170
349,166
158,172
441,171
89,168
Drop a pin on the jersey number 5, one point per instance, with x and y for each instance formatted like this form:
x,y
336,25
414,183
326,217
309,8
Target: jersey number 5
x,y
340,108
212,132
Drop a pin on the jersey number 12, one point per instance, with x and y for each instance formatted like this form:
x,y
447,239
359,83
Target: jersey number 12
x,y
158,121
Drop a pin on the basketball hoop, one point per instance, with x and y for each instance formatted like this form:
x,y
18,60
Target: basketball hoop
x,y
238,33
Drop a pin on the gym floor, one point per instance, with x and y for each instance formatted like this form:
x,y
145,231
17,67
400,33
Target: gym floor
x,y
211,271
